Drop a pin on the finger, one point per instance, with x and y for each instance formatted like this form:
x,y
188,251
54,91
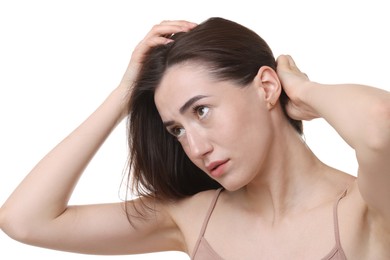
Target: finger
x,y
286,61
154,41
293,111
290,61
180,23
298,113
293,65
174,26
282,61
160,35
166,29
146,44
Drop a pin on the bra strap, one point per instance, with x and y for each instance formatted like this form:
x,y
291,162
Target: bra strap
x,y
207,218
335,219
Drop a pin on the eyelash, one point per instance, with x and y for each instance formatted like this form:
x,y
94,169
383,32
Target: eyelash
x,y
195,111
172,131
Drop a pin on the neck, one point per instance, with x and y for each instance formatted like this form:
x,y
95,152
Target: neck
x,y
286,184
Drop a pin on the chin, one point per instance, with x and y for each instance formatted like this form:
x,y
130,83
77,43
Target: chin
x,y
231,185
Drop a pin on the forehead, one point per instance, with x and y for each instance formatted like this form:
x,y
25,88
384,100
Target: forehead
x,y
186,73
181,82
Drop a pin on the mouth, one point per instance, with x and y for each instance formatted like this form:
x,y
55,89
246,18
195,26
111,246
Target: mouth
x,y
216,169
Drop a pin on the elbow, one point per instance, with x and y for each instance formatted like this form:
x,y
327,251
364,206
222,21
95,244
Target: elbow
x,y
13,226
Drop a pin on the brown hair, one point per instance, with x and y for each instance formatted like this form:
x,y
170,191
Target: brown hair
x,y
158,164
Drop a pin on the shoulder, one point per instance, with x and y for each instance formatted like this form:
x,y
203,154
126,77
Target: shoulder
x,y
199,201
189,215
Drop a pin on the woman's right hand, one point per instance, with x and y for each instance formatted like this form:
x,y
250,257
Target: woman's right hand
x,y
156,36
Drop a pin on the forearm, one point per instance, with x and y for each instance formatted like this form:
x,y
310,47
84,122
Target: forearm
x,y
44,193
360,114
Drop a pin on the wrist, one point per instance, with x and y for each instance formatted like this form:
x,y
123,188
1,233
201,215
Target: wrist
x,y
121,95
311,96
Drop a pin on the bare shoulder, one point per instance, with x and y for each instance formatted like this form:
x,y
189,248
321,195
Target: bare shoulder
x,y
189,215
192,208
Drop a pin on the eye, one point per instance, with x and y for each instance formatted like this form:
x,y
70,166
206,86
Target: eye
x,y
201,111
177,131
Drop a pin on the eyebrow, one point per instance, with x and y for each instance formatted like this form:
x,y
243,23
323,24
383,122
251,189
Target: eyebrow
x,y
185,107
189,103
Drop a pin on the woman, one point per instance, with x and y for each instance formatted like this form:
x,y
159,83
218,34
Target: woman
x,y
207,110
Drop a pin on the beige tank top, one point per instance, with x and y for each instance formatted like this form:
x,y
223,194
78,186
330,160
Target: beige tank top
x,y
203,250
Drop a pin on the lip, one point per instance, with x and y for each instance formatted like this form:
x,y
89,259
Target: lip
x,y
216,168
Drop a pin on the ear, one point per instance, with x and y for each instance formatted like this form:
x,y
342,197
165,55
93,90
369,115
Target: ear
x,y
268,81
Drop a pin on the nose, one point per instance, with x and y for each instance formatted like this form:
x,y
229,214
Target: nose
x,y
198,144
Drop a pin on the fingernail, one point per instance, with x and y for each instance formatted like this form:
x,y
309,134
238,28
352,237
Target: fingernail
x,y
191,24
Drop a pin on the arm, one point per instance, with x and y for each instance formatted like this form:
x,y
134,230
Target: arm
x,y
37,212
360,114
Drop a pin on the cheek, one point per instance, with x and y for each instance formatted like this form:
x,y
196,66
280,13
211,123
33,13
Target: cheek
x,y
249,122
249,132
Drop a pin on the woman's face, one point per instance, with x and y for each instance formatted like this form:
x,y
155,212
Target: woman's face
x,y
224,129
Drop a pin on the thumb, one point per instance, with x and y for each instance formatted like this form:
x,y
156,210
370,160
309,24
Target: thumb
x,y
299,113
293,111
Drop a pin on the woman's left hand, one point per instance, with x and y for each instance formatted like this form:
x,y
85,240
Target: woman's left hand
x,y
295,83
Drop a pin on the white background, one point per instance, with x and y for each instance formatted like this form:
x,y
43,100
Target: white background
x,y
60,59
